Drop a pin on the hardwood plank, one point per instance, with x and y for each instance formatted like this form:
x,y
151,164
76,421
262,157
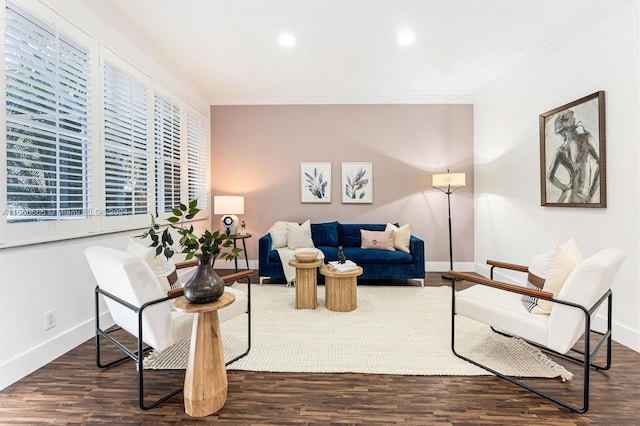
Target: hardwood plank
x,y
72,389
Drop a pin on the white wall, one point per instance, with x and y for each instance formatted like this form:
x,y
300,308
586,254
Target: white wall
x,y
510,223
55,276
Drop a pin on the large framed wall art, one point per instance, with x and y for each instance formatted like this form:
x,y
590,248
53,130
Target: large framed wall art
x,y
315,182
572,154
357,183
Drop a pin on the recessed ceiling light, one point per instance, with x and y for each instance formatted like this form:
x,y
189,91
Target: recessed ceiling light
x,y
286,39
406,38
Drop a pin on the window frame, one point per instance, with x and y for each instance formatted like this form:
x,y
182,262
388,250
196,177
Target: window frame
x,y
97,223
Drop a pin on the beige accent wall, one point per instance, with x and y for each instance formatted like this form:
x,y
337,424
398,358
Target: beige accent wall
x,y
257,151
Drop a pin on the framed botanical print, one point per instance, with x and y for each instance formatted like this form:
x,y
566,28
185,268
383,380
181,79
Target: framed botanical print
x,y
357,183
572,154
315,182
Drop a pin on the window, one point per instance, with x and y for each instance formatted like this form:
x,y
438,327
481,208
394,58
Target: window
x,y
92,144
47,116
167,154
126,148
197,158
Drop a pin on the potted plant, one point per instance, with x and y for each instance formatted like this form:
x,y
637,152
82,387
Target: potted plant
x,y
205,285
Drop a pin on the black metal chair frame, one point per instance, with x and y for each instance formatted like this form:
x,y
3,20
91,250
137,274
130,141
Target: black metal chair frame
x,y
138,354
586,356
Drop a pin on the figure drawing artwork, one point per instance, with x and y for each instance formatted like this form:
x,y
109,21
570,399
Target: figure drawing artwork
x,y
572,154
315,181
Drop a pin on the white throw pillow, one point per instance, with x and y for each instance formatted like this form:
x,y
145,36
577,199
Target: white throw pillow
x,y
299,236
401,236
278,232
160,266
553,267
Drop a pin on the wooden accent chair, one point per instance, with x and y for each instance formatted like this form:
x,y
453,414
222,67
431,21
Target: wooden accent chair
x,y
139,305
499,305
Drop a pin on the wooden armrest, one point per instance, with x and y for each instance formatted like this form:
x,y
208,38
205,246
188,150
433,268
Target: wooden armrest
x,y
187,264
506,265
238,275
502,286
227,278
175,292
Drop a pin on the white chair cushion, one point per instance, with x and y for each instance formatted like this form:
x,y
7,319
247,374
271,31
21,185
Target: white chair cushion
x,y
502,310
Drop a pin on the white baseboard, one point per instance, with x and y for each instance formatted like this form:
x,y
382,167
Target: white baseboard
x,y
26,363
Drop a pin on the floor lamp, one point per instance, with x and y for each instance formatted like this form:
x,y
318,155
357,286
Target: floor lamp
x,y
448,183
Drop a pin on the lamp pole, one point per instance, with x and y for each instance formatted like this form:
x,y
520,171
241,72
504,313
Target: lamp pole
x,y
446,275
448,183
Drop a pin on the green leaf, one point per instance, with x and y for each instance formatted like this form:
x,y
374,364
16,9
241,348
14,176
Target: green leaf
x,y
173,219
183,207
193,204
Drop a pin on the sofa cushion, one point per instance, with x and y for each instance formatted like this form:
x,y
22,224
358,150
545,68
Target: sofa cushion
x,y
401,236
278,232
299,236
381,257
325,234
349,234
377,240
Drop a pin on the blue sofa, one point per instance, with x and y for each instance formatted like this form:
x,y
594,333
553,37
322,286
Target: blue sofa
x,y
376,264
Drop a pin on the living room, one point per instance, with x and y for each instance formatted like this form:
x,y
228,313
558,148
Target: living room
x,y
257,146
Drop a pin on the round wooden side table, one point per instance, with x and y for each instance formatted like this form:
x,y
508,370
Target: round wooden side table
x,y
205,381
340,288
306,283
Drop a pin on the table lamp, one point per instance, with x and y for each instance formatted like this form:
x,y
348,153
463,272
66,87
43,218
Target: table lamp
x,y
448,183
228,206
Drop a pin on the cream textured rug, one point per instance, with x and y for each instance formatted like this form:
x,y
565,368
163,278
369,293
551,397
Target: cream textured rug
x,y
395,330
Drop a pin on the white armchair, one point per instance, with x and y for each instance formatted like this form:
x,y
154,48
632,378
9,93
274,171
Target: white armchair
x,y
499,305
138,304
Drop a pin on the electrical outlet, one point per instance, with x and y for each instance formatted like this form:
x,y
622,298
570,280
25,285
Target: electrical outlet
x,y
49,319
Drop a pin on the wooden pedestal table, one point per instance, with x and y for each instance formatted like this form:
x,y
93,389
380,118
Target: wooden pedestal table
x,y
340,288
205,381
306,283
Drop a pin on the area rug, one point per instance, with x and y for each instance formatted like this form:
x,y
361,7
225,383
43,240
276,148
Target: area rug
x,y
394,330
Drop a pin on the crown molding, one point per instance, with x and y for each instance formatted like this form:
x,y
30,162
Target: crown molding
x,y
342,100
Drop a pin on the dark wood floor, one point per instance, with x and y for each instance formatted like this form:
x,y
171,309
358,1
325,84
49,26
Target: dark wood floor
x,y
71,390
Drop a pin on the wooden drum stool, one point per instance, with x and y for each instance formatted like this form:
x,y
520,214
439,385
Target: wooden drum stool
x,y
340,288
306,283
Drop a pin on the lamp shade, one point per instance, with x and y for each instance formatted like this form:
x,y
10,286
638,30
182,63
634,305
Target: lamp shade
x,y
228,204
444,180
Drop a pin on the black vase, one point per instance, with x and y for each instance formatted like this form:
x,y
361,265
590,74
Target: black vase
x,y
205,285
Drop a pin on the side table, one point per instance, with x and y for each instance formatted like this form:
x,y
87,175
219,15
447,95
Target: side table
x,y
340,288
244,248
205,381
306,283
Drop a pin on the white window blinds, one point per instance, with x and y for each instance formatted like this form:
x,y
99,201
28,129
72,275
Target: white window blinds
x,y
47,114
126,149
197,158
167,153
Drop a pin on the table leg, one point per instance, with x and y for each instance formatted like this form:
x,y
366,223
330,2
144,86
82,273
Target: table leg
x,y
341,293
205,382
306,288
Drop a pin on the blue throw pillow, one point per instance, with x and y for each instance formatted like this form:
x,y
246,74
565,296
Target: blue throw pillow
x,y
349,233
325,234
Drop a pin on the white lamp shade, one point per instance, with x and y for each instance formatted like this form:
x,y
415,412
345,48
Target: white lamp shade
x,y
228,204
444,180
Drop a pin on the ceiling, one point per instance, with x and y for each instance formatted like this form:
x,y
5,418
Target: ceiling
x,y
346,51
